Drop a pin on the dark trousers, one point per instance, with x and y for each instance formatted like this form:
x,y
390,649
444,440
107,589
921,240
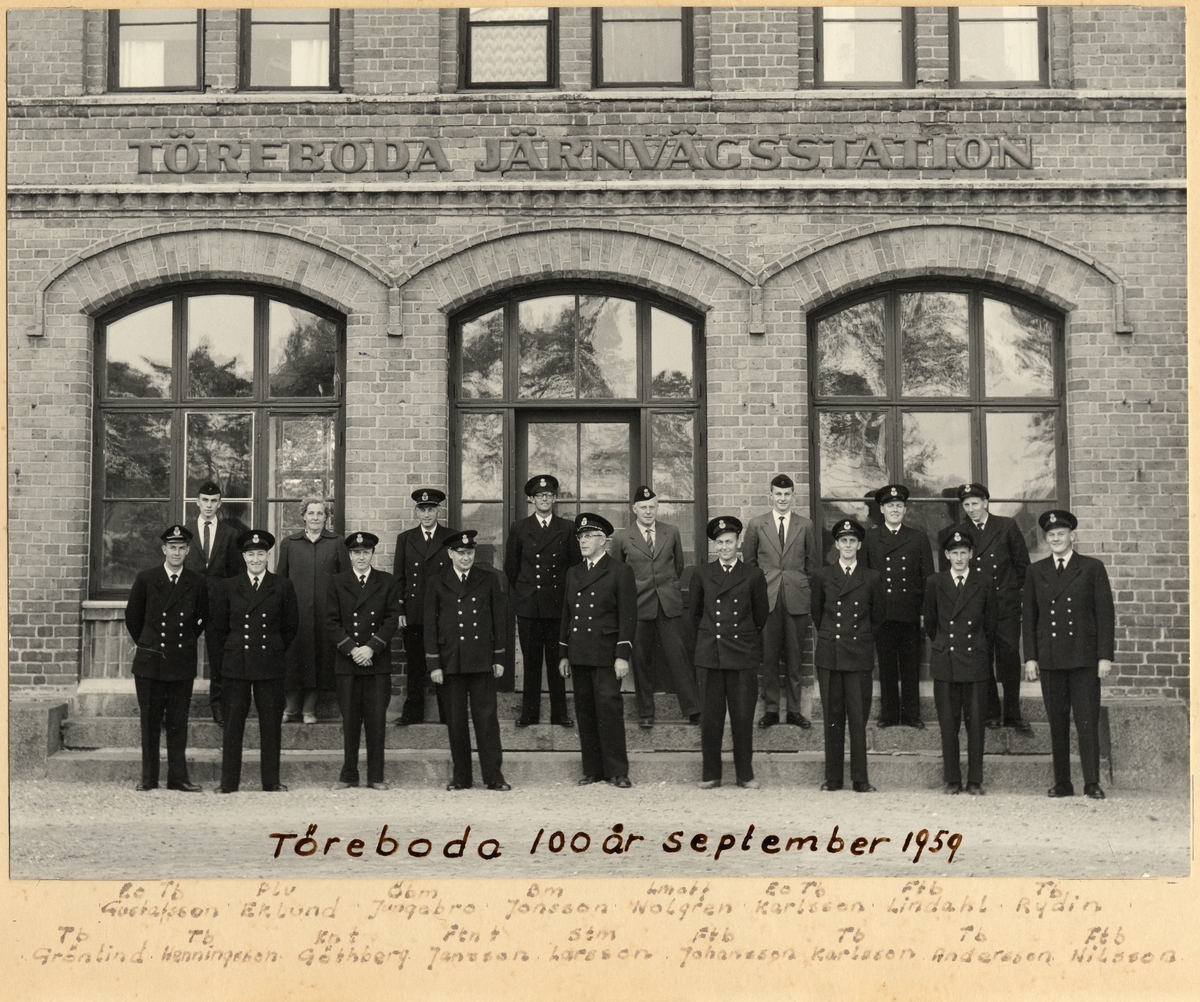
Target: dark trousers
x,y
845,695
1006,671
363,700
683,676
784,634
539,643
417,676
163,705
737,691
479,689
216,696
899,647
954,700
601,718
268,700
1067,691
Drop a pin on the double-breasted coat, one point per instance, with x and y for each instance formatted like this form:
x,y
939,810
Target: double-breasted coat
x,y
655,574
599,614
1001,553
730,609
1068,620
905,560
788,570
309,566
255,627
165,622
362,615
960,626
464,622
415,563
846,612
536,562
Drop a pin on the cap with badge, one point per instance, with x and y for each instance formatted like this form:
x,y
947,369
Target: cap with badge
x,y
1057,519
890,493
587,521
543,484
208,488
952,538
973,491
643,493
783,481
255,539
176,534
428,497
362,541
461,539
849,527
723,524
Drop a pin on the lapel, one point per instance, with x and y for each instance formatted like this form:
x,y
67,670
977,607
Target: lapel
x,y
726,581
266,585
793,530
600,568
851,582
889,540
968,589
373,582
638,537
475,580
772,530
988,536
1058,583
543,537
172,593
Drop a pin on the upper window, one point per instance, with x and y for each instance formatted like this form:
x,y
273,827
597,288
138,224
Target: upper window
x,y
642,46
1000,46
864,46
155,49
934,386
507,46
289,49
219,383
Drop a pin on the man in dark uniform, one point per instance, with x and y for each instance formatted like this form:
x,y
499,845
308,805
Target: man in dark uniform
x,y
1000,552
730,606
362,614
1070,640
539,551
255,617
960,619
595,641
848,607
216,557
464,612
419,556
902,555
165,614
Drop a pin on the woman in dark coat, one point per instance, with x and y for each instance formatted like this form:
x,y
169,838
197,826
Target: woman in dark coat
x,y
308,559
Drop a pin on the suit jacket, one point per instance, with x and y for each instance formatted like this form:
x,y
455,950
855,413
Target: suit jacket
x,y
165,620
905,559
536,562
730,609
960,626
254,628
1001,553
224,559
599,614
789,570
415,563
657,573
846,613
356,615
464,622
1068,620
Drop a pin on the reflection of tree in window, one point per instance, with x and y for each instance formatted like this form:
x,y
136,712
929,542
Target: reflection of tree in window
x,y
850,352
124,380
207,378
934,355
483,356
548,355
219,447
853,452
137,455
674,446
671,384
306,364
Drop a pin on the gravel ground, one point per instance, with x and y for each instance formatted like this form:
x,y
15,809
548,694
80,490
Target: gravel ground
x,y
107,830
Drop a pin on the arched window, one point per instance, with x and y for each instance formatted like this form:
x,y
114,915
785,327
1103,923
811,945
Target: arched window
x,y
597,385
236,384
934,384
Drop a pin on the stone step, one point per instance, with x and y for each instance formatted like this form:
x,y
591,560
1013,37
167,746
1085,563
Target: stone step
x,y
415,769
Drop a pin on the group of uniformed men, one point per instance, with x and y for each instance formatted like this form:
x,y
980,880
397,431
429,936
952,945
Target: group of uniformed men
x,y
590,603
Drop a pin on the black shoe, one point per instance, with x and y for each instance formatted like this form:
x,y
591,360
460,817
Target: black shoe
x,y
275,788
146,787
455,786
828,787
185,787
863,788
917,725
952,788
1093,790
993,724
694,719
589,780
799,720
218,715
565,722
225,789
646,723
887,723
975,790
523,722
1061,791
1020,726
501,787
620,782
768,720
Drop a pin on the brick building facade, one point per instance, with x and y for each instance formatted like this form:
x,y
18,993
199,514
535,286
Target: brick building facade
x,y
421,213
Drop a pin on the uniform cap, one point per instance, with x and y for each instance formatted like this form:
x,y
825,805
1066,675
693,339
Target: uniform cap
x,y
209,487
784,481
255,539
849,527
953,537
176,534
721,524
587,521
428,497
643,493
362,541
541,484
892,492
461,539
973,491
1057,519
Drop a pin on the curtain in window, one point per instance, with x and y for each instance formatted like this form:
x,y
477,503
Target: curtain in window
x,y
310,62
143,64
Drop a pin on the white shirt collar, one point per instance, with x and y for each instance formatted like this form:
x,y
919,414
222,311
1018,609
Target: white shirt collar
x,y
848,568
786,516
167,570
964,574
1065,558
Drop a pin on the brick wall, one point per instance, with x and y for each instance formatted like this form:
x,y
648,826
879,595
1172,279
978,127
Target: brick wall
x,y
397,50
1127,47
45,52
754,48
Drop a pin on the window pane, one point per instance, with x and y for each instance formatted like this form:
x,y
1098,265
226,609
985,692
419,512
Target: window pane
x,y
546,345
933,347
1021,456
488,521
683,517
1017,348
642,52
607,347
130,543
853,450
509,14
219,447
604,456
137,455
673,446
1026,516
302,457
483,356
157,48
509,54
482,456
284,53
931,518
670,356
850,352
138,353
998,51
861,13
220,346
862,52
997,13
303,352
554,449
283,518
937,451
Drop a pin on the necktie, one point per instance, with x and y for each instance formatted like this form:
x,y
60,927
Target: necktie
x,y
1061,566
728,567
207,540
846,570
174,578
545,524
958,582
429,537
650,538
256,584
462,578
781,532
362,580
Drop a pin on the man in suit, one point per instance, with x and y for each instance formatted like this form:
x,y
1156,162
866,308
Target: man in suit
x,y
784,544
165,614
217,558
848,607
902,555
419,556
1000,551
960,619
540,549
730,606
255,617
655,552
464,614
362,614
1069,640
595,640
